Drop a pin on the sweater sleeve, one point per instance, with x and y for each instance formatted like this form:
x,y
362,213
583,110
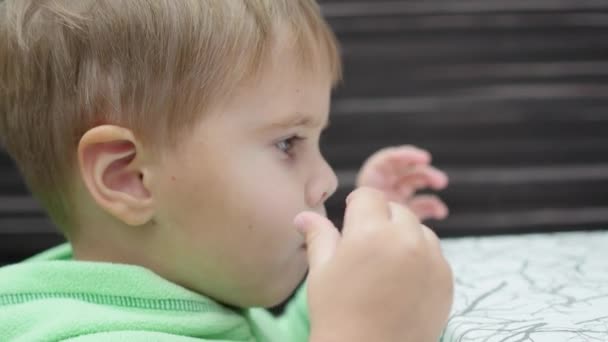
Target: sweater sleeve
x,y
138,336
295,319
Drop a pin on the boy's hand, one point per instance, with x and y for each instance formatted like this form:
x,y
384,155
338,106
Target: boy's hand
x,y
401,171
383,279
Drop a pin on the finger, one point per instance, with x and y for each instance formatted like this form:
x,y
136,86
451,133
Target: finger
x,y
386,161
406,221
401,214
428,207
410,155
365,205
406,157
379,169
434,244
321,237
431,236
422,177
374,178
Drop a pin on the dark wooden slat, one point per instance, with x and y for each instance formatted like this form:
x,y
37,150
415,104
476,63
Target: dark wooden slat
x,y
451,153
22,204
456,46
402,127
391,81
349,8
450,23
527,97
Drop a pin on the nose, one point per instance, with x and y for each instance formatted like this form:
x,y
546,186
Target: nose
x,y
322,184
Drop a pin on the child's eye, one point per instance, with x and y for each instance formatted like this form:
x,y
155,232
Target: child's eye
x,y
286,145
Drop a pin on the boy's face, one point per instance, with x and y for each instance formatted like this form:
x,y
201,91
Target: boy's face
x,y
227,198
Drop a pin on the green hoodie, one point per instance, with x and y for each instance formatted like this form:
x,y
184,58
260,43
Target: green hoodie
x,y
51,297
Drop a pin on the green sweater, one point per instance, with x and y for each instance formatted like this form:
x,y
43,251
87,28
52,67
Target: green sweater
x,y
51,297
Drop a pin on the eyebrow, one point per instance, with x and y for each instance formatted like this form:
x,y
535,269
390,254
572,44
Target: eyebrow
x,y
298,119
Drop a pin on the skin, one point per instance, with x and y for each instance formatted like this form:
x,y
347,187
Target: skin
x,y
400,172
216,215
383,278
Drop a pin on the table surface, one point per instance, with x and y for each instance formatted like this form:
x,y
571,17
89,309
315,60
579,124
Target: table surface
x,y
542,287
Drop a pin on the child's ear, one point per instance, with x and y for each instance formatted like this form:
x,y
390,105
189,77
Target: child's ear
x,y
113,170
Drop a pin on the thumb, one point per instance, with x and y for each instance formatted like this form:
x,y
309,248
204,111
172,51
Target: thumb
x,y
321,237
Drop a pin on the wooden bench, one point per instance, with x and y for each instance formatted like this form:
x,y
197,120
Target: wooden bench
x,y
511,97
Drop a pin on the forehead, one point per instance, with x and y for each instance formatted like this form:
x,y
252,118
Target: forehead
x,y
283,92
297,119
282,97
300,104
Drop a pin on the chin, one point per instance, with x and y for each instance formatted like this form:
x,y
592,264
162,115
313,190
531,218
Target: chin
x,y
266,298
276,299
271,290
277,295
280,290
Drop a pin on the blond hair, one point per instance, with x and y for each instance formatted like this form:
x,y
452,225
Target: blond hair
x,y
153,66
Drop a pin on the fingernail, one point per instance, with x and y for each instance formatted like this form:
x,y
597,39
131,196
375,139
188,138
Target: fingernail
x,y
348,198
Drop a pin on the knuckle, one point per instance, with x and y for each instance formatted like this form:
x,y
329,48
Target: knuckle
x,y
445,278
431,236
411,248
375,233
366,191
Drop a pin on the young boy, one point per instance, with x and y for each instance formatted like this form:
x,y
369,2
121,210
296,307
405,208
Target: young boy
x,y
175,144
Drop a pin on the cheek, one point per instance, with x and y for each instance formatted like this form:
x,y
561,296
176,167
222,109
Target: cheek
x,y
192,199
188,196
274,190
271,200
272,207
251,197
264,178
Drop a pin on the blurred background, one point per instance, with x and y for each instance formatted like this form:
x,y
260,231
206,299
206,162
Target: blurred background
x,y
510,96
